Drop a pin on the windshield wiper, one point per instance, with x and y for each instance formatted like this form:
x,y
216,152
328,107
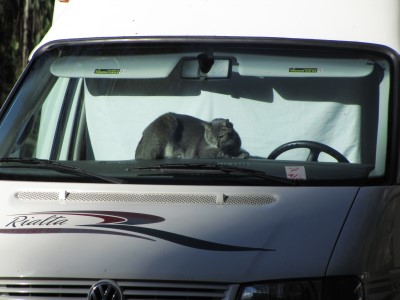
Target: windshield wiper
x,y
215,167
57,166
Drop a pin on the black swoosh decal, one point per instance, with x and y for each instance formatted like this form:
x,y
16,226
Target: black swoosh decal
x,y
182,240
68,230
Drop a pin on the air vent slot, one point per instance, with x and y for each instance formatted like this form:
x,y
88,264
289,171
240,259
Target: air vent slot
x,y
155,198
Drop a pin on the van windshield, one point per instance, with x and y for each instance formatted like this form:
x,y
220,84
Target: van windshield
x,y
199,111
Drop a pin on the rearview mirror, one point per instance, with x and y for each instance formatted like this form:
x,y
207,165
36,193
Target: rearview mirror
x,y
203,67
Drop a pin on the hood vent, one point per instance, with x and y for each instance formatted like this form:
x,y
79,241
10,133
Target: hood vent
x,y
156,198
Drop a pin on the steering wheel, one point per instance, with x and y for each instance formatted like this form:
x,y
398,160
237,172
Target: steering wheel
x,y
314,147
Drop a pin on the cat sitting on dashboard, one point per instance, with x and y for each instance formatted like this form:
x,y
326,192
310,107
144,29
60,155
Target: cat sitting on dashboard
x,y
182,136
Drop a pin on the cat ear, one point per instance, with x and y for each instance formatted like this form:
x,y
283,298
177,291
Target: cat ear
x,y
228,124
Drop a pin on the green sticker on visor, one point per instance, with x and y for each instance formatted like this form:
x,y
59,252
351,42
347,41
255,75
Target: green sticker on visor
x,y
303,70
107,71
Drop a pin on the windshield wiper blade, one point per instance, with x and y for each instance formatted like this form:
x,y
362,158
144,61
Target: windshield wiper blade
x,y
217,167
57,166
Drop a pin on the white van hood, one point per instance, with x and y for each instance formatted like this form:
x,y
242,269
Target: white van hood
x,y
101,231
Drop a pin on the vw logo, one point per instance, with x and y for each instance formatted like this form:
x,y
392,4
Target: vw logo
x,y
105,290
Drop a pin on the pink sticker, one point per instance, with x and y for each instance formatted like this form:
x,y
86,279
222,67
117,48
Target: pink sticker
x,y
296,173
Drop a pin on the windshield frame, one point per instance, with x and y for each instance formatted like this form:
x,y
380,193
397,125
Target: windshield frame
x,y
391,175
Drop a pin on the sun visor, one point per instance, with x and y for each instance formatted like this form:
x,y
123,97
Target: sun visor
x,y
143,66
279,66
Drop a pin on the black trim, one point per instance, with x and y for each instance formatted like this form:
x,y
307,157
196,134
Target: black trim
x,y
282,43
62,123
75,125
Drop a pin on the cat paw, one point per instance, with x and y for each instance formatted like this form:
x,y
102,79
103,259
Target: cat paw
x,y
244,155
221,154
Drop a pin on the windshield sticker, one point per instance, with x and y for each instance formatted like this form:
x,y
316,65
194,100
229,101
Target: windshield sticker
x,y
303,70
296,172
107,71
106,222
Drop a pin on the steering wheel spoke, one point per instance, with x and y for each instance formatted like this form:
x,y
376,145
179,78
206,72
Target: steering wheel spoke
x,y
313,155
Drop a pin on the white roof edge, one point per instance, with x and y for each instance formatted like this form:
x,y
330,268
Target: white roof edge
x,y
368,21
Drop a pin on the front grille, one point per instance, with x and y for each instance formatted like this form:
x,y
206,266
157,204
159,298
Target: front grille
x,y
160,291
44,289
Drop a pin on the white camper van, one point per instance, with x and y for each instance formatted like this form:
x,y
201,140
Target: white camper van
x,y
205,150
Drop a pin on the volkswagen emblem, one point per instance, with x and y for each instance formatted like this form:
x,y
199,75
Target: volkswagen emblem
x,y
105,290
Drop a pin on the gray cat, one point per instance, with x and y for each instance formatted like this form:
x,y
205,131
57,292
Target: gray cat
x,y
181,136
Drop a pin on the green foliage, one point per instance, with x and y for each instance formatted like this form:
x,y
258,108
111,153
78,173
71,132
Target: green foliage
x,y
14,49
